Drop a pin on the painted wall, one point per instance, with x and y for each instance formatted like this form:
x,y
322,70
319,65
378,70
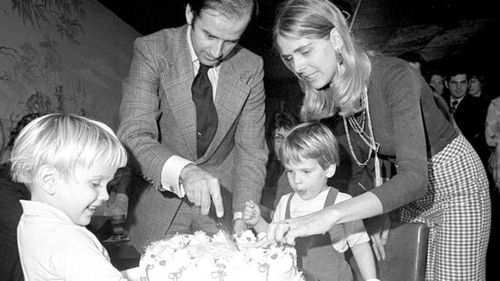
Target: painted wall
x,y
61,56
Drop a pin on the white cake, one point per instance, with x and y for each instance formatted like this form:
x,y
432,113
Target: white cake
x,y
199,257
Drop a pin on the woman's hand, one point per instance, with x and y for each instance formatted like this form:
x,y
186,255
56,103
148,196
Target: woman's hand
x,y
287,231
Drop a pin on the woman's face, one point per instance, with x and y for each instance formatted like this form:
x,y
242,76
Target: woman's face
x,y
437,83
312,60
475,87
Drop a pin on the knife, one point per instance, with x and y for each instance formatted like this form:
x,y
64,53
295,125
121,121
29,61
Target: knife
x,y
229,238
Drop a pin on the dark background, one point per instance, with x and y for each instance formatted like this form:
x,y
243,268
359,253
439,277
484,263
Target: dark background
x,y
444,32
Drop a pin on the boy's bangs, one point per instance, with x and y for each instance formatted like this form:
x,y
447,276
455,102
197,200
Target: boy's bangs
x,y
84,146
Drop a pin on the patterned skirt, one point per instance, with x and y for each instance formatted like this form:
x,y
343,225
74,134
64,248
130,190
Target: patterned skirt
x,y
457,209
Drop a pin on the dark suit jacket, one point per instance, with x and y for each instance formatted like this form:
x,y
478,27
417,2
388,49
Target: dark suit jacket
x,y
158,120
10,214
470,117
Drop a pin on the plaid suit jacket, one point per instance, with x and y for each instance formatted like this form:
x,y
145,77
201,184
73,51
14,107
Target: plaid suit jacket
x,y
158,118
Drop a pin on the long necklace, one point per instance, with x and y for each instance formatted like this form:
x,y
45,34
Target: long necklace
x,y
367,137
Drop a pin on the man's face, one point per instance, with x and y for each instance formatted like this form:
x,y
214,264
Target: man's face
x,y
458,85
214,35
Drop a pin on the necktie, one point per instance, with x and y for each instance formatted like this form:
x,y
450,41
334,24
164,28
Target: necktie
x,y
453,107
206,114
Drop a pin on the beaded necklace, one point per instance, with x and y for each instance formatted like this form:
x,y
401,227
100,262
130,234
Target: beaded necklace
x,y
367,137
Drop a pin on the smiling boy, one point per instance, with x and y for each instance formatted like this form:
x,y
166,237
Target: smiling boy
x,y
66,162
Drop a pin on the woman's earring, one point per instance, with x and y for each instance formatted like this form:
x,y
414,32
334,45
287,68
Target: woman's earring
x,y
339,57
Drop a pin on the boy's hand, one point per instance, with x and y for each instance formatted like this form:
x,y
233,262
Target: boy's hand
x,y
251,213
239,226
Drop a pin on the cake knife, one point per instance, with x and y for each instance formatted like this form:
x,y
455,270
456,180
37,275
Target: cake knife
x,y
229,238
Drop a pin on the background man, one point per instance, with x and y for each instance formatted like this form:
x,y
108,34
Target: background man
x,y
468,112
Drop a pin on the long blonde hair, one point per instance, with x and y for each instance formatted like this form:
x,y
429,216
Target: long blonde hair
x,y
315,19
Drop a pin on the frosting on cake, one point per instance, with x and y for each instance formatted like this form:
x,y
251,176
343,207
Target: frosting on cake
x,y
196,257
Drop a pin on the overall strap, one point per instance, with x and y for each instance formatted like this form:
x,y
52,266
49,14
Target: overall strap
x,y
330,200
331,197
287,210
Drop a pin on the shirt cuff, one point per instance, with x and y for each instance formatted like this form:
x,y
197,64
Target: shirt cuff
x,y
237,216
171,172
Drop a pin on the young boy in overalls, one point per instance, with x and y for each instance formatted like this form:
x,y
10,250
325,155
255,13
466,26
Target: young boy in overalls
x,y
310,156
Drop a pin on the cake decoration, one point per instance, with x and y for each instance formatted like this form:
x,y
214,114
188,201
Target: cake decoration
x,y
199,257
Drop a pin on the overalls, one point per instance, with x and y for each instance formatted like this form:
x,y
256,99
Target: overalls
x,y
316,253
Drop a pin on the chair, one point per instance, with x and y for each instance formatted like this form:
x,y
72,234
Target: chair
x,y
406,254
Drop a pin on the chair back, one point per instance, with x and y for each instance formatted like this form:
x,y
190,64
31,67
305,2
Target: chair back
x,y
406,254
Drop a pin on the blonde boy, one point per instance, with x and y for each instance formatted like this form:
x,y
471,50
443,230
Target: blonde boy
x,y
310,156
66,162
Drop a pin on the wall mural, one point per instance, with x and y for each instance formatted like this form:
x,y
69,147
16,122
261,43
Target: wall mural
x,y
59,58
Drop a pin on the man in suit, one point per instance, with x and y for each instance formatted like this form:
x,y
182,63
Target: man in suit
x,y
158,123
468,112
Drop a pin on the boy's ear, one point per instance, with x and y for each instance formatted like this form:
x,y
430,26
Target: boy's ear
x,y
48,177
330,171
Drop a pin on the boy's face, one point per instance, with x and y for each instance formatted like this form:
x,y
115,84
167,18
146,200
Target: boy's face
x,y
79,196
308,178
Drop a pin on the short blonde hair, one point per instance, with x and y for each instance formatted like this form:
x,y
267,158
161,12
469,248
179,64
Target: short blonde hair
x,y
66,142
311,140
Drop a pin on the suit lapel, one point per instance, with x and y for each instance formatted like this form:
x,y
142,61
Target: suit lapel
x,y
232,92
231,95
176,82
463,105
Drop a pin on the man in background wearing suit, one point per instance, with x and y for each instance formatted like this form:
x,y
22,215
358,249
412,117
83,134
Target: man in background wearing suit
x,y
159,124
468,112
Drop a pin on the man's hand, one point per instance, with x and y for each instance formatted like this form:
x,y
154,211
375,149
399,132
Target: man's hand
x,y
201,188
